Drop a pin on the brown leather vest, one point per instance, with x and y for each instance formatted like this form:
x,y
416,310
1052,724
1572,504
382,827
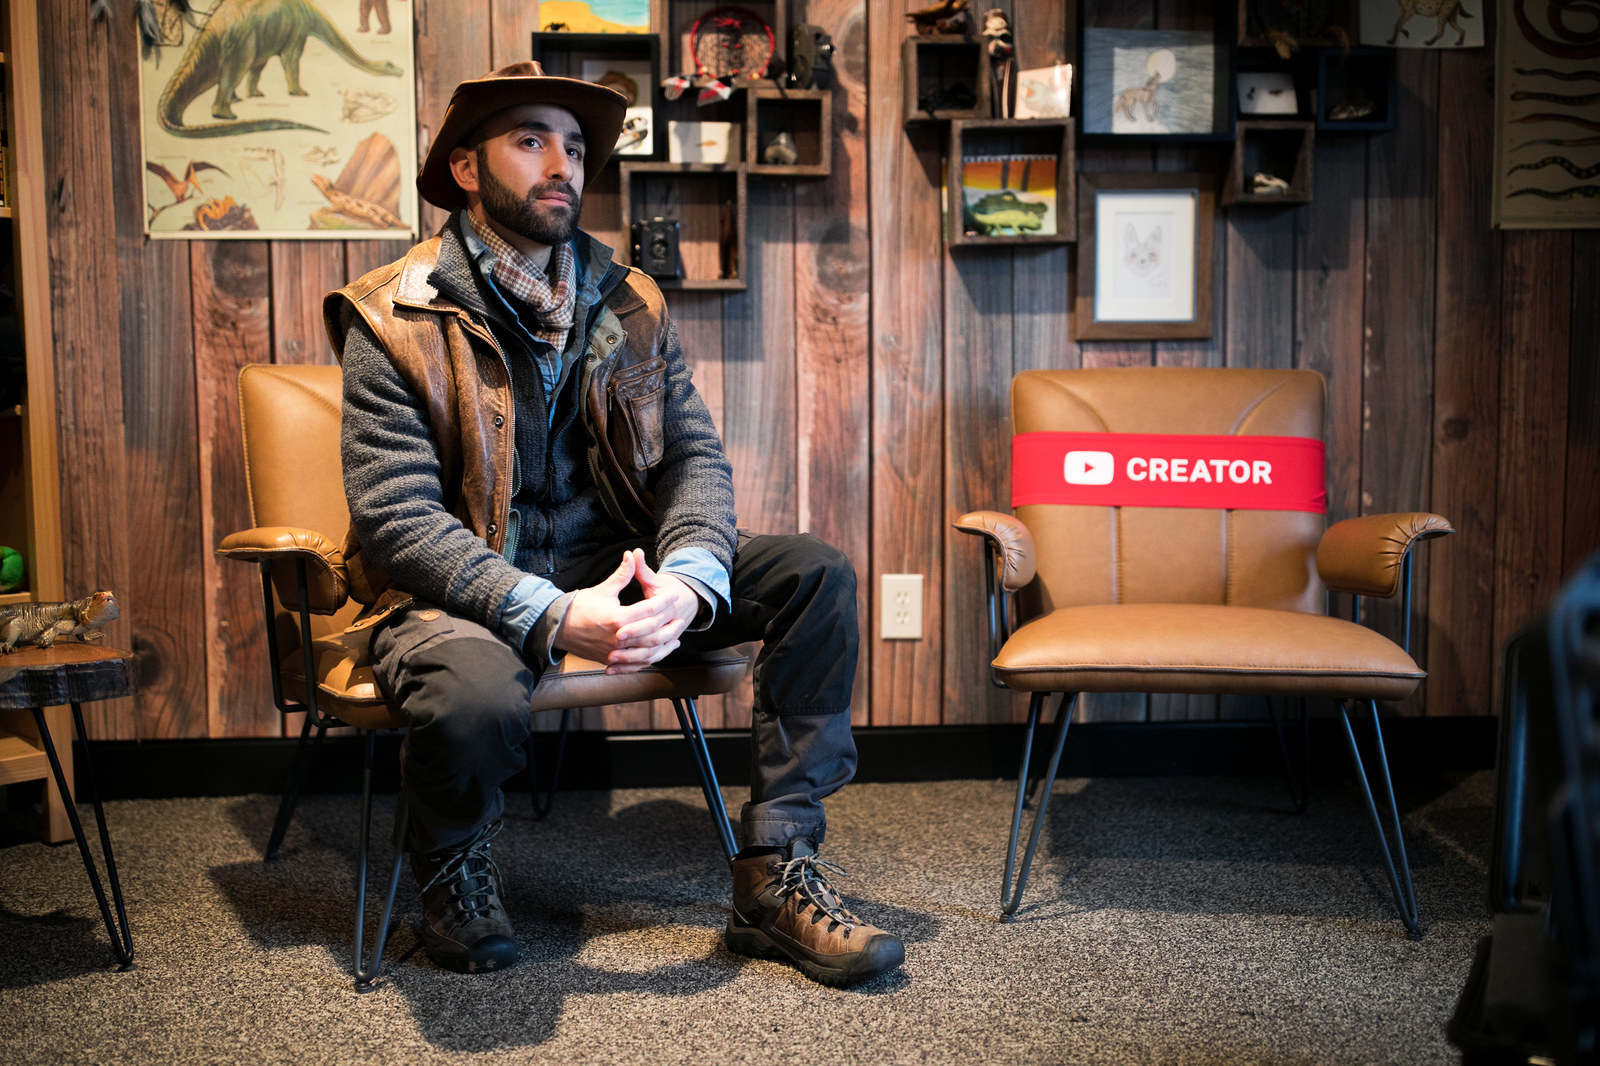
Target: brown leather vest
x,y
454,366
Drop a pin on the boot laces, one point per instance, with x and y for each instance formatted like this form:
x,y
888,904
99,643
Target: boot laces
x,y
476,875
806,878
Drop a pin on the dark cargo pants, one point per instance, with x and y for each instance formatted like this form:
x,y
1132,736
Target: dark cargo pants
x,y
465,692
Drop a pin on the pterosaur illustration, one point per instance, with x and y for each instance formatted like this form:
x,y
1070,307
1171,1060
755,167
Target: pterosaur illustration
x,y
180,186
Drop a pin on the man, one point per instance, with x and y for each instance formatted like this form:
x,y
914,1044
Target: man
x,y
531,473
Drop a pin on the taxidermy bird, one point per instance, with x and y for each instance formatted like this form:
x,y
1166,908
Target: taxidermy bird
x,y
180,186
947,16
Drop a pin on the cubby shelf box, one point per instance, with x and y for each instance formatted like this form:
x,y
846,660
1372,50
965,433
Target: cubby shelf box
x,y
1280,147
933,67
807,115
1034,155
709,202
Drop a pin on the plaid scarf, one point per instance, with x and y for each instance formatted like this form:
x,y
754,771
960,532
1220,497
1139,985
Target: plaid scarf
x,y
552,305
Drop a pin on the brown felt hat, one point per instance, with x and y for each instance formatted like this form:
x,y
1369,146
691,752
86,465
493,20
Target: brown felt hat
x,y
599,110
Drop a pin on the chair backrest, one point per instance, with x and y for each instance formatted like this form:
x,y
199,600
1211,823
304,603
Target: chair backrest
x,y
289,416
1102,554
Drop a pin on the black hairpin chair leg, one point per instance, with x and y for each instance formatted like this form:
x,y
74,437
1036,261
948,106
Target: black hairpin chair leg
x,y
1394,853
689,721
121,939
367,972
1010,897
542,804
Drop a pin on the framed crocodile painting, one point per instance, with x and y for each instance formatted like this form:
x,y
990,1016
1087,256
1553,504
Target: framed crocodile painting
x,y
279,118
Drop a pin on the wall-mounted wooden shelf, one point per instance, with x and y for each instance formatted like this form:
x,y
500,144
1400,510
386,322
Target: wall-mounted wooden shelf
x,y
1366,76
935,67
806,114
709,201
1025,143
1281,148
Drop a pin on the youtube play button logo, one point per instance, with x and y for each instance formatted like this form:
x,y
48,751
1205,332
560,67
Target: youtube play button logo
x,y
1089,468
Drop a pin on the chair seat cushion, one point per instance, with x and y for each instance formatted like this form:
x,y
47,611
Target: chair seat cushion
x,y
347,689
1202,648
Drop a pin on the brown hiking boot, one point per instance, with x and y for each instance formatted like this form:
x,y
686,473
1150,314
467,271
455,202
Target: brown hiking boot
x,y
785,908
464,926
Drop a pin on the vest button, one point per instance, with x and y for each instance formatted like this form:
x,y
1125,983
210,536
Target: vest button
x,y
493,529
499,420
612,339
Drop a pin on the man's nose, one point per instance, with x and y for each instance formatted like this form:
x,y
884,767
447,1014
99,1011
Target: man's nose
x,y
559,166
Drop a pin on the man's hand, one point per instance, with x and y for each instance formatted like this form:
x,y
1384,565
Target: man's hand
x,y
628,639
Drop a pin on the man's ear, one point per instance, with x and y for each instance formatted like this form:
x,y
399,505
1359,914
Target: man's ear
x,y
464,168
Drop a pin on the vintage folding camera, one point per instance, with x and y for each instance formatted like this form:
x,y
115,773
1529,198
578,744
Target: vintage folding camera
x,y
655,247
810,57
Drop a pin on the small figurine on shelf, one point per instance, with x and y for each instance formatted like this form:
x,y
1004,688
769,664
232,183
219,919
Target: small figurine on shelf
x,y
1002,60
780,150
12,569
1264,184
948,17
42,623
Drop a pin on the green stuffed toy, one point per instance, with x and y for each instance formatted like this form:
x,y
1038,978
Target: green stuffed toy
x,y
12,570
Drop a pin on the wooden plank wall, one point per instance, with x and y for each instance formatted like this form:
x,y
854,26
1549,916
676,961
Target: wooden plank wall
x,y
860,383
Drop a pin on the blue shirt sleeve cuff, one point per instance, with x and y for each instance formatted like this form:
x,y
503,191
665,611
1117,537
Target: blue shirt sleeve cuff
x,y
705,576
525,604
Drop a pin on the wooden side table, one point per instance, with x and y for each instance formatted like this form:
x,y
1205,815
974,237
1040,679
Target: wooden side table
x,y
32,679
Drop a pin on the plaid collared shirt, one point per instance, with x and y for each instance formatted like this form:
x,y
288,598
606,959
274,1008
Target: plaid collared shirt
x,y
552,304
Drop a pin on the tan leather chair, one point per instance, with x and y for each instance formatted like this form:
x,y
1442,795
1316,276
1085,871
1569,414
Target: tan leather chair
x,y
1108,598
289,416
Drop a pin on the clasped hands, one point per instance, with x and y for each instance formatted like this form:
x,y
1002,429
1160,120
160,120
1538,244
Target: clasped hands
x,y
628,638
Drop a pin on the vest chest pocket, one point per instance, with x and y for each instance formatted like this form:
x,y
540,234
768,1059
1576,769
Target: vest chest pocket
x,y
638,402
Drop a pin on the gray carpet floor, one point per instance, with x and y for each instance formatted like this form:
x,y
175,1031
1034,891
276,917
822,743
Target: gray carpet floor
x,y
1169,920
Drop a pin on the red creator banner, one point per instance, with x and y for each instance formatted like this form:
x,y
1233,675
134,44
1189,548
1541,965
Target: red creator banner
x,y
1169,470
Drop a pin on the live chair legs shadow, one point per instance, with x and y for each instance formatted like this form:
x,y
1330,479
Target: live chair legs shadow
x,y
1036,793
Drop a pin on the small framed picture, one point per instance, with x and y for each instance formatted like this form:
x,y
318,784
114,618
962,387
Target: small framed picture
x,y
1267,92
1045,92
1144,256
635,80
1155,84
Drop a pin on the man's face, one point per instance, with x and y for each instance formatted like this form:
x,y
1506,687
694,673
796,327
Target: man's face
x,y
528,173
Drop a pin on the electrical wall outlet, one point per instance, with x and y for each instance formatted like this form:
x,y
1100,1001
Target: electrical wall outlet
x,y
900,611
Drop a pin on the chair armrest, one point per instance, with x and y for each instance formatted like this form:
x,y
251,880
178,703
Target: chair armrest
x,y
1010,538
279,547
1365,555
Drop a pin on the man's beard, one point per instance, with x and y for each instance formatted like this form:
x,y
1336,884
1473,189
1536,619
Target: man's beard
x,y
521,216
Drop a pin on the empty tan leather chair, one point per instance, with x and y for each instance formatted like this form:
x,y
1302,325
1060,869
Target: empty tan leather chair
x,y
289,416
1098,597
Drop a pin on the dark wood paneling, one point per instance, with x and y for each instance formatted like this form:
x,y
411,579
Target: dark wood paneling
x,y
302,272
1582,535
453,44
1535,351
1397,374
907,380
79,168
164,603
231,289
1466,379
832,314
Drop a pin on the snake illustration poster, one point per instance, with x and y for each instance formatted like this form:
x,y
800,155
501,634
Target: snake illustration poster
x,y
279,118
1547,112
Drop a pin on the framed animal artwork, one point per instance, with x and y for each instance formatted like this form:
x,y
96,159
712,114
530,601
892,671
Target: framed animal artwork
x,y
280,118
1547,117
1157,85
1440,24
1144,256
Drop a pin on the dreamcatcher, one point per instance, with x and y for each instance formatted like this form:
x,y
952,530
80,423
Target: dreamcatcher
x,y
725,43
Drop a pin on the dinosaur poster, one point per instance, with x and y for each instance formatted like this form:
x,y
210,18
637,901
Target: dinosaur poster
x,y
279,118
